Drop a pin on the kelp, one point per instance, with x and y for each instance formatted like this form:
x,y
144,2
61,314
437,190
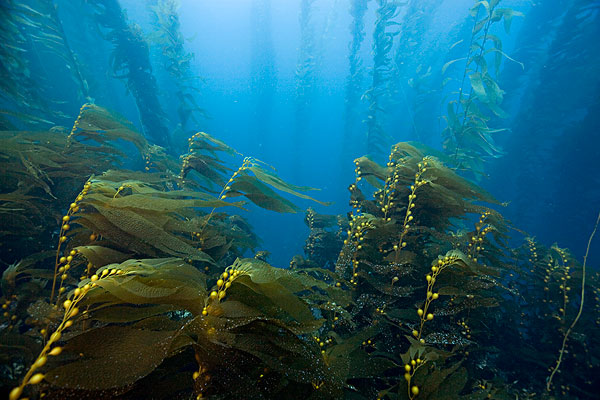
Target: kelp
x,y
410,227
423,290
468,138
98,126
130,60
324,241
383,40
248,324
132,216
415,80
31,30
354,81
176,60
253,179
42,170
305,81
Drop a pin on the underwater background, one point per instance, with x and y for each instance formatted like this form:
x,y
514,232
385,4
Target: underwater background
x,y
172,150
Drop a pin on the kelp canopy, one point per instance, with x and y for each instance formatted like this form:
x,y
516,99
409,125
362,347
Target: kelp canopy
x,y
149,291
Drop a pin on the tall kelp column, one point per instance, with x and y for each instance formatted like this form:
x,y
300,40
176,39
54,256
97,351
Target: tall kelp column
x,y
557,111
131,62
36,42
379,92
176,61
305,75
354,88
468,138
263,70
415,79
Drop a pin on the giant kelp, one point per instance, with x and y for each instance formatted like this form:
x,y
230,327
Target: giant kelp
x,y
354,88
468,137
379,91
263,69
411,73
40,169
34,36
176,60
305,74
556,109
130,61
416,293
154,223
149,265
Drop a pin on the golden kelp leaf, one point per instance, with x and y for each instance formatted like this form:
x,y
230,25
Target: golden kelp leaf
x,y
274,300
139,232
203,141
156,281
237,350
275,292
100,255
260,194
110,357
442,383
371,168
280,349
278,183
102,126
169,201
339,356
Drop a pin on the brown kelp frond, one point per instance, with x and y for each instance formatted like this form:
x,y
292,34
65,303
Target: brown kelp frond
x,y
101,127
252,179
159,309
36,170
135,217
443,195
263,289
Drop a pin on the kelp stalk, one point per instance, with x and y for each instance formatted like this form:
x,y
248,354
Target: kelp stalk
x,y
358,9
71,311
564,342
383,40
131,61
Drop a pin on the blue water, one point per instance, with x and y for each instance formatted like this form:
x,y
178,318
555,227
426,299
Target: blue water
x,y
246,53
548,175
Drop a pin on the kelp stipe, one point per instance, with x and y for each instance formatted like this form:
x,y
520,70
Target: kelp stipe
x,y
467,138
379,92
354,81
130,60
568,332
176,60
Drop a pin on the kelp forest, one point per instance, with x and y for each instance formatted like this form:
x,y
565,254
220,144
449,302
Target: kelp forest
x,y
132,265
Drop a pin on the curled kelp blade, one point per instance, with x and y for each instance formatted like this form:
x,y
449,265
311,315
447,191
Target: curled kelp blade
x,y
98,125
101,358
135,216
169,281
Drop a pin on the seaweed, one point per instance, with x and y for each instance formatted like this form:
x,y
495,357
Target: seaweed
x,y
305,74
130,60
383,39
416,293
33,29
41,169
353,90
149,265
176,60
468,138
